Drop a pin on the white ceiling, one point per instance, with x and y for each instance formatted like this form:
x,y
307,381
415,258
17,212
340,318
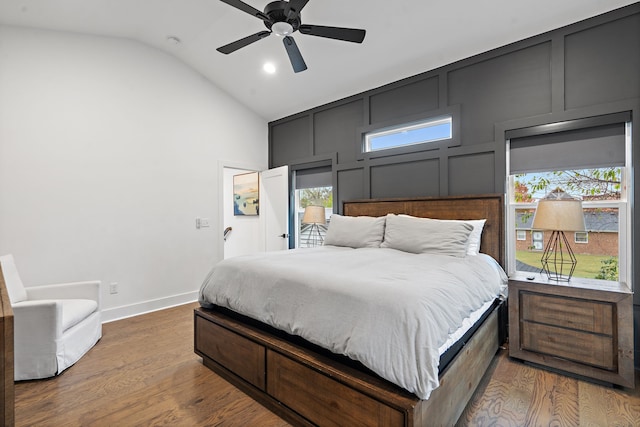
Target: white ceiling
x,y
403,38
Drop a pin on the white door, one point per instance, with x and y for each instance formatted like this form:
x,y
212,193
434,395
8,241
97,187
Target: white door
x,y
274,208
243,234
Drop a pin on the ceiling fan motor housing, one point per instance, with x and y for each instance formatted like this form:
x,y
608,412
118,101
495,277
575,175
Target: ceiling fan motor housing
x,y
276,11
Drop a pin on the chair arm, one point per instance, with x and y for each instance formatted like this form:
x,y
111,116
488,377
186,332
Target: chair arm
x,y
37,322
74,290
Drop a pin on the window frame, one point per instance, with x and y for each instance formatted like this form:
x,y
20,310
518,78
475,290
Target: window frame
x,y
581,241
524,235
625,253
452,111
308,167
402,128
298,214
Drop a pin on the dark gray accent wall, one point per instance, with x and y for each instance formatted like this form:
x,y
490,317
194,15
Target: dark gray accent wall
x,y
587,69
504,87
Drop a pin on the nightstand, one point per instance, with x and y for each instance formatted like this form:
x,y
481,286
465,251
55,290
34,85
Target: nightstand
x,y
584,327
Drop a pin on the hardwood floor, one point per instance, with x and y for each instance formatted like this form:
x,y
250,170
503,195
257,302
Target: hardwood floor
x,y
143,372
517,394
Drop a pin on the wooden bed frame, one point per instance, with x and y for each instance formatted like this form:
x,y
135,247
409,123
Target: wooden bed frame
x,y
307,385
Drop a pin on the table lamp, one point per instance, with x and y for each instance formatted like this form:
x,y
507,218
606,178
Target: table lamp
x,y
314,215
558,212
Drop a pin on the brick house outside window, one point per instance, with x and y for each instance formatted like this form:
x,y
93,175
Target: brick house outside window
x,y
601,236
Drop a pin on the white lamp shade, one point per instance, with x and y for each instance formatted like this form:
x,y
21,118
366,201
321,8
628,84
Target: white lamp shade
x,y
560,212
314,215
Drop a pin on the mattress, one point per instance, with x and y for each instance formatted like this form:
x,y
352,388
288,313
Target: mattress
x,y
392,311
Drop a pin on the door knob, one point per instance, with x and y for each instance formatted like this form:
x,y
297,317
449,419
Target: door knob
x,y
283,235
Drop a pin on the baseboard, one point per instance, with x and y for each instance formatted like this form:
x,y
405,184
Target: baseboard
x,y
124,311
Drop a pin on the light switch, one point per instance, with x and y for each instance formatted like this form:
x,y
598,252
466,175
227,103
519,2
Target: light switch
x,y
202,222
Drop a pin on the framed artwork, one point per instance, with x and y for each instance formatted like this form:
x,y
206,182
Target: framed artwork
x,y
246,194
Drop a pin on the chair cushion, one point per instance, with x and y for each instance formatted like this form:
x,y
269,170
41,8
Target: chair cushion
x,y
12,279
75,311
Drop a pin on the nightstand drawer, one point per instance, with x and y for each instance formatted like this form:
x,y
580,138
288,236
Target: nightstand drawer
x,y
583,315
582,347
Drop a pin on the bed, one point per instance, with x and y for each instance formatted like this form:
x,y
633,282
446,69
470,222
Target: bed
x,y
313,382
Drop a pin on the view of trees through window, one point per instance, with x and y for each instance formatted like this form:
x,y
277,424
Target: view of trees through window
x,y
600,190
320,196
589,184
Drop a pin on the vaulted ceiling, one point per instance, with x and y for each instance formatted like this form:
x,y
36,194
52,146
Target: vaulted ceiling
x,y
403,38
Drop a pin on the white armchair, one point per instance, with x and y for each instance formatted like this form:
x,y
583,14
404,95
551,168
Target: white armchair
x,y
54,325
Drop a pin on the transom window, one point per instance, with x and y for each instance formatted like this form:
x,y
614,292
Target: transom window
x,y
434,129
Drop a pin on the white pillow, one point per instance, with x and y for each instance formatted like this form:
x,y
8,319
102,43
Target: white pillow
x,y
475,238
426,235
355,231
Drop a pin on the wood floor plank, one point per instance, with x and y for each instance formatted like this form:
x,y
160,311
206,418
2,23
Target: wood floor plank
x,y
591,398
143,372
621,411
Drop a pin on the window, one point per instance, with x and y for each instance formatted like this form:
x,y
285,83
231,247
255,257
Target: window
x,y
430,130
590,163
313,189
581,237
601,210
521,234
537,240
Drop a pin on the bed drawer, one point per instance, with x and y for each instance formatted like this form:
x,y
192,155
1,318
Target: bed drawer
x,y
329,402
238,354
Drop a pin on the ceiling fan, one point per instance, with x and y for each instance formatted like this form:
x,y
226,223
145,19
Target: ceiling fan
x,y
283,18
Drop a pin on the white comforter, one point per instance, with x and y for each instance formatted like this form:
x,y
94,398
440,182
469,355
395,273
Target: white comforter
x,y
388,309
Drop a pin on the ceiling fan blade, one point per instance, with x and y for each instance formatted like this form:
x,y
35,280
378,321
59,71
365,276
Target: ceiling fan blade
x,y
246,8
294,7
294,54
338,33
232,47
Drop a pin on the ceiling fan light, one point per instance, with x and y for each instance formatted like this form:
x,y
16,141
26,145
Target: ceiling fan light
x,y
282,29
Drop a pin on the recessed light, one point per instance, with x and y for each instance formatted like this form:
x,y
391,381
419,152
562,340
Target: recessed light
x,y
269,68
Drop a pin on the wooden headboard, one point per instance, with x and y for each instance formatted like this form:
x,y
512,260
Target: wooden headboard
x,y
484,206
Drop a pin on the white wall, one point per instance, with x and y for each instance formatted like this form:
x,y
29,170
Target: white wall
x,y
109,150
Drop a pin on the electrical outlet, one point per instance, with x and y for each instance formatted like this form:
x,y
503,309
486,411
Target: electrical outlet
x,y
113,288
